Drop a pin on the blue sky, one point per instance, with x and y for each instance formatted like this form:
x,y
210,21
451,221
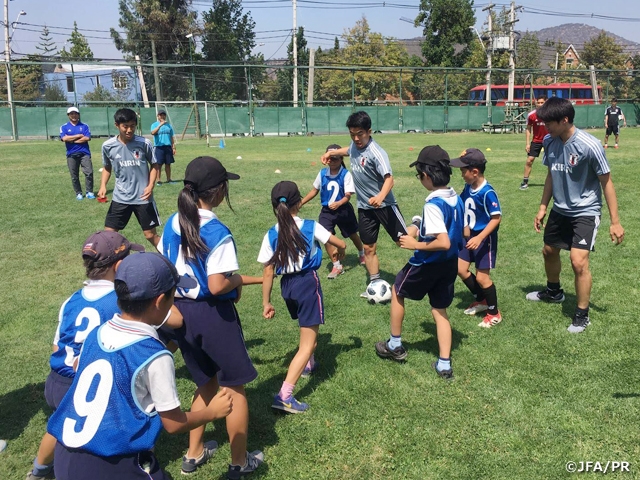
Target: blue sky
x,y
322,20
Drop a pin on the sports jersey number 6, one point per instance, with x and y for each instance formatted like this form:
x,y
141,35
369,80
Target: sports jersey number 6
x,y
469,214
93,321
335,190
93,411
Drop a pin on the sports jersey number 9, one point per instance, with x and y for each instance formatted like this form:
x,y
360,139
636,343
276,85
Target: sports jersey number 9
x,y
93,321
91,410
334,187
469,213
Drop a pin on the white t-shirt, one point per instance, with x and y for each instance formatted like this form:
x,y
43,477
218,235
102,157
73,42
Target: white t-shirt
x,y
155,384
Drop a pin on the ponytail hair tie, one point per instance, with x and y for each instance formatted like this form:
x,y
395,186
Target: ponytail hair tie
x,y
189,187
283,199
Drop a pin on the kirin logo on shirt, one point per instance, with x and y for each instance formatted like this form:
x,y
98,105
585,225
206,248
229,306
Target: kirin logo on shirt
x,y
573,159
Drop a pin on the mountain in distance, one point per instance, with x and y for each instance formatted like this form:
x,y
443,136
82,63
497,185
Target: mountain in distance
x,y
577,34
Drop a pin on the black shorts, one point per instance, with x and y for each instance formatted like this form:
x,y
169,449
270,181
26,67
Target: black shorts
x,y
435,279
571,232
344,217
164,154
615,130
212,342
369,221
119,214
534,150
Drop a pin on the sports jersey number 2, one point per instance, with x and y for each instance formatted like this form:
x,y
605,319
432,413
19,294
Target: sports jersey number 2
x,y
91,410
93,321
469,213
334,187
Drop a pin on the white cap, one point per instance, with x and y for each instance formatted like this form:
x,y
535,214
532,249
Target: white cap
x,y
72,109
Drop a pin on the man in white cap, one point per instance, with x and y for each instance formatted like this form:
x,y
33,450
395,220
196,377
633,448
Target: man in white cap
x,y
76,136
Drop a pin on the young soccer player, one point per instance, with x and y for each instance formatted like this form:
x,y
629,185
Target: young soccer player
x,y
124,391
335,185
292,248
373,180
433,267
533,144
132,160
482,216
612,116
211,340
578,175
164,142
86,309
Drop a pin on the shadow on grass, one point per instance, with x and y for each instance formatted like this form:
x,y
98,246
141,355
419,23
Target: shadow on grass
x,y
430,344
625,395
570,301
18,407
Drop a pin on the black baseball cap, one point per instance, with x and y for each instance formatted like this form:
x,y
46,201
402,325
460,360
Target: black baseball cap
x,y
471,157
334,146
162,112
149,275
107,247
285,192
204,173
431,155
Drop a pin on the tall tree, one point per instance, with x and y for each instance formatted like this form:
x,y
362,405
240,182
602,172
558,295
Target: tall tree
x,y
163,24
46,47
285,75
528,51
446,23
80,49
603,52
227,39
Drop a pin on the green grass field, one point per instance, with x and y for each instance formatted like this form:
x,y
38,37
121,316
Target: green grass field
x,y
528,396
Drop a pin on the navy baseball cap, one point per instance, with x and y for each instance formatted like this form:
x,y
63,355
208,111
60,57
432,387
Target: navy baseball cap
x,y
148,275
285,192
471,157
162,112
431,155
107,247
204,173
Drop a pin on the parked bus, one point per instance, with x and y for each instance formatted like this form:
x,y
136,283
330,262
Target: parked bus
x,y
578,93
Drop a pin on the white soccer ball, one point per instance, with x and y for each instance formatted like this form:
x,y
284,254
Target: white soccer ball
x,y
379,291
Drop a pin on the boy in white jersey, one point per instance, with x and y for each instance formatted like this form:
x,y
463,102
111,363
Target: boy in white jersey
x,y
373,179
578,175
133,161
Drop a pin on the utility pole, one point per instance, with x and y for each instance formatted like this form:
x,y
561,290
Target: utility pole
x,y
295,56
512,51
312,61
7,56
156,76
143,86
489,51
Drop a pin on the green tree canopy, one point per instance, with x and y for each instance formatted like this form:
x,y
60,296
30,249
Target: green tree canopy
x,y
603,52
285,75
80,49
46,47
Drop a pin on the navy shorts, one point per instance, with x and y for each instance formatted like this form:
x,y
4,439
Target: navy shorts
x,y
212,343
119,215
55,388
484,256
303,295
369,221
344,217
534,150
73,464
164,154
435,279
571,232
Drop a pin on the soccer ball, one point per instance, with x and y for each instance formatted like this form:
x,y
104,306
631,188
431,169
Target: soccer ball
x,y
379,291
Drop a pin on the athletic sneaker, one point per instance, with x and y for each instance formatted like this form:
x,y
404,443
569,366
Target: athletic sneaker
x,y
615,146
49,475
476,307
446,374
490,320
399,354
170,182
254,460
291,405
190,465
158,184
579,324
524,186
91,196
335,271
79,196
606,146
361,259
307,372
546,295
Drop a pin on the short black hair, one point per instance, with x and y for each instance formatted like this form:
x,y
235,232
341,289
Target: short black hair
x,y
481,167
125,115
440,175
359,119
555,109
93,272
614,99
542,97
133,307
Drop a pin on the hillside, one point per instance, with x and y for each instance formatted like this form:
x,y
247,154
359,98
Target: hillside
x,y
578,34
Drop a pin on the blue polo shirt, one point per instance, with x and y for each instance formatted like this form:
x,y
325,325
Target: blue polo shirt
x,y
163,137
76,148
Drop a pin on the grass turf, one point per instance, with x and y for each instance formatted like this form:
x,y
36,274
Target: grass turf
x,y
528,397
